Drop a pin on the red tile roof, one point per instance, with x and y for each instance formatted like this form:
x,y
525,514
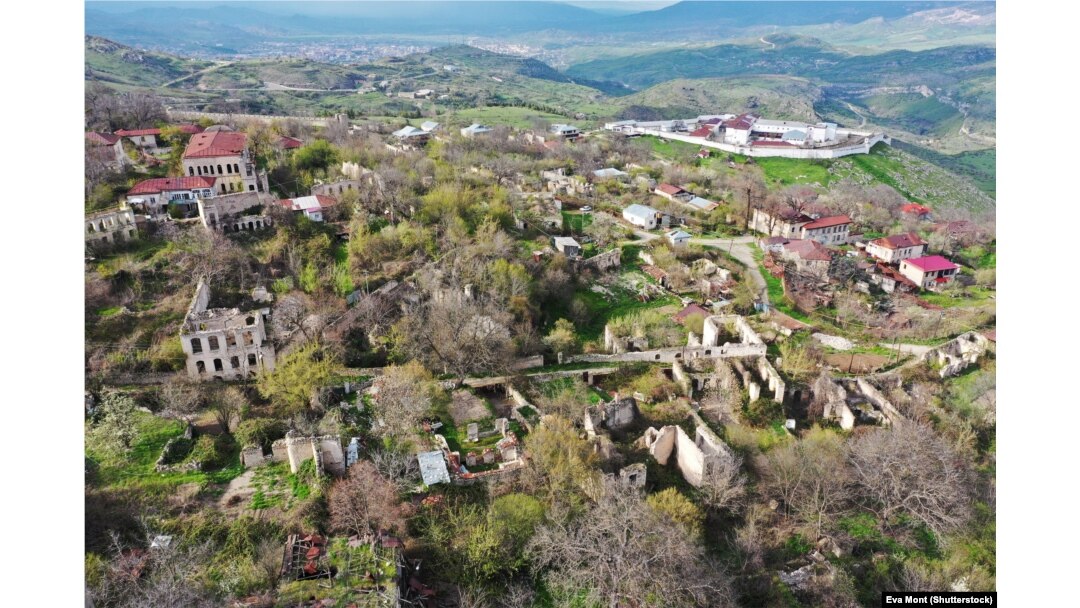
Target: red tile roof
x,y
702,132
654,272
808,250
899,241
102,139
915,208
669,189
162,184
932,263
712,121
289,143
743,122
210,144
826,222
692,308
138,132
190,129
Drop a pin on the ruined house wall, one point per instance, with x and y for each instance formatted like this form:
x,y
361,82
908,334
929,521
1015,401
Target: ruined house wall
x,y
604,261
681,377
772,378
670,355
874,396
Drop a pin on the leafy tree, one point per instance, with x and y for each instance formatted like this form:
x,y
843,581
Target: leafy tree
x,y
297,376
562,338
114,427
561,465
318,155
404,394
259,431
678,509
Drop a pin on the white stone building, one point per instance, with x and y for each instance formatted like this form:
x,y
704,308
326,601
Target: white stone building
x,y
645,217
223,154
893,249
238,212
110,226
225,343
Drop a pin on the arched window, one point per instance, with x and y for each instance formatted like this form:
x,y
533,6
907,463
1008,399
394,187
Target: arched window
x,y
200,170
217,365
200,367
235,362
196,345
191,170
223,188
212,342
219,169
236,168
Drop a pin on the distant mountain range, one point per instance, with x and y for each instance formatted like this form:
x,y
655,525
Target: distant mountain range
x,y
239,26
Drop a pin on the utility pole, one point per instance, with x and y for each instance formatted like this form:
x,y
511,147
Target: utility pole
x,y
748,188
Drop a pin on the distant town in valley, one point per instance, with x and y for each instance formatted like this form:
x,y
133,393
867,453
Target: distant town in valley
x,y
495,304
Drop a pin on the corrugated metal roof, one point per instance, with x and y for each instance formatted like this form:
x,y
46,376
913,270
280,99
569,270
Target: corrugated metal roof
x,y
433,467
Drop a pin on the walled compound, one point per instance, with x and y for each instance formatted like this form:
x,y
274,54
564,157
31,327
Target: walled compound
x,y
243,211
295,449
957,354
695,457
224,343
751,373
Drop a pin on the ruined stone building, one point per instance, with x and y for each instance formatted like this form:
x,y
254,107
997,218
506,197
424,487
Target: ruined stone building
x,y
110,226
225,343
695,457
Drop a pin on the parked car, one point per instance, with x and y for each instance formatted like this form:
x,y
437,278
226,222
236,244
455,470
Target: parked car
x,y
586,209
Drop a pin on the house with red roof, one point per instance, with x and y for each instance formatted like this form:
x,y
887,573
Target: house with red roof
x,y
737,130
930,272
152,196
673,193
922,212
147,138
223,154
106,148
312,206
831,230
810,257
893,249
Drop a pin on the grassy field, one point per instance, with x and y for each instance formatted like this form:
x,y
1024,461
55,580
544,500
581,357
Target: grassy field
x,y
136,469
521,118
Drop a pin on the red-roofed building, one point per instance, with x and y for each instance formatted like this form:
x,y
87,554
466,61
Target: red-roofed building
x,y
893,249
152,196
224,155
828,230
929,272
701,132
920,211
144,138
311,206
810,257
106,148
737,130
673,193
691,309
288,143
890,279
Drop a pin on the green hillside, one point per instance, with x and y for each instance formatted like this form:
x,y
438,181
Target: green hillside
x,y
110,62
779,97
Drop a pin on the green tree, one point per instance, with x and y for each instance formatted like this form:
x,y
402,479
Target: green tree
x,y
316,156
297,376
114,423
259,431
561,465
562,338
679,509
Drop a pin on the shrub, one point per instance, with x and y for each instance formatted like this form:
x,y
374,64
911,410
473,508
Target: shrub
x,y
259,431
210,452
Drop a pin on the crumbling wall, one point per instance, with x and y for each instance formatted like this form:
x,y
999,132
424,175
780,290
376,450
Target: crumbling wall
x,y
325,450
695,457
957,354
772,378
874,396
603,261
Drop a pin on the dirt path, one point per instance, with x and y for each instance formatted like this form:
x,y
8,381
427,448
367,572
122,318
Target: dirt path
x,y
239,491
763,41
194,74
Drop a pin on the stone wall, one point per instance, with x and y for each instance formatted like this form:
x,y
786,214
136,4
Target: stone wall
x,y
603,261
695,457
673,354
326,450
957,354
863,147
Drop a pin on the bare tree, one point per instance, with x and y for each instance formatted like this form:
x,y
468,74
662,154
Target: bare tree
x,y
169,577
180,398
227,406
398,467
626,554
724,485
909,469
365,503
809,477
403,395
458,334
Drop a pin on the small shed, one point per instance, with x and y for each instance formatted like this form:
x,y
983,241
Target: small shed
x,y
433,467
568,246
